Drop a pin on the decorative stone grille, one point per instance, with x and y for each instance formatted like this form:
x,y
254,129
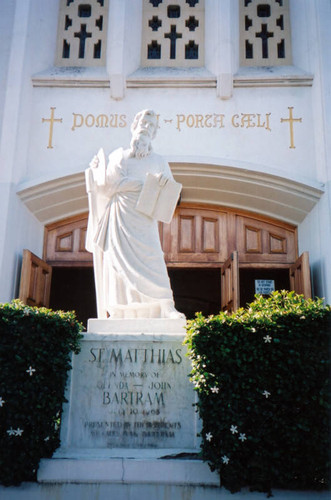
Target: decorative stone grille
x,y
265,38
173,33
82,32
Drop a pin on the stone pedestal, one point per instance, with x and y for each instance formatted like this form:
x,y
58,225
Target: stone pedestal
x,y
130,389
130,408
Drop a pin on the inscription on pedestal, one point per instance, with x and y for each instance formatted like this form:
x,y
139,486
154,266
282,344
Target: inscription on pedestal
x,y
131,394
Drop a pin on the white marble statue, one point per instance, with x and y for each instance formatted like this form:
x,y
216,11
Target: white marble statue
x,y
130,273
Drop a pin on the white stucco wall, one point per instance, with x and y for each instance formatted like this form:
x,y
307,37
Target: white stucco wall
x,y
314,235
315,232
6,26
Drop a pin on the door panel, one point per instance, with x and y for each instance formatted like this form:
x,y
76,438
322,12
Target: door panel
x,y
195,236
65,243
230,284
265,242
300,280
35,282
198,236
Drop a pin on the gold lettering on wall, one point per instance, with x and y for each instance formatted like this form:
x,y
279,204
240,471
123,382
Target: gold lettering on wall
x,y
291,120
181,122
51,121
200,121
99,121
251,120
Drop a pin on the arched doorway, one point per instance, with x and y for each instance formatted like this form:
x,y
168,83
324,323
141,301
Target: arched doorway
x,y
215,257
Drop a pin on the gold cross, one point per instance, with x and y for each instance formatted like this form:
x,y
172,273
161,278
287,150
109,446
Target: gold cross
x,y
291,120
51,121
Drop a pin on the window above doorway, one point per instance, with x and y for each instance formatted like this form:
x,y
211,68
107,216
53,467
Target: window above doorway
x,y
266,56
173,33
265,37
82,33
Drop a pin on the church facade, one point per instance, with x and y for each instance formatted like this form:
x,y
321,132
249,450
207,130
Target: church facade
x,y
242,93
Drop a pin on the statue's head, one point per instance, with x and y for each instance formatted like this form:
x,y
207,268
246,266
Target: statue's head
x,y
143,129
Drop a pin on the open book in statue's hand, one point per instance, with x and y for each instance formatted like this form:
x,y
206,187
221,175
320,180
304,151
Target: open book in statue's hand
x,y
159,197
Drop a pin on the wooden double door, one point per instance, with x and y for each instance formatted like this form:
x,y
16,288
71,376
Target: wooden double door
x,y
214,256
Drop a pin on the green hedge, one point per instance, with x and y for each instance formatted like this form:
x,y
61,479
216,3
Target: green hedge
x,y
35,352
262,375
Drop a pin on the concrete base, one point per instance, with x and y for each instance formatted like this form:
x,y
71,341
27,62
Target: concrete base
x,y
102,491
130,388
121,440
136,326
127,471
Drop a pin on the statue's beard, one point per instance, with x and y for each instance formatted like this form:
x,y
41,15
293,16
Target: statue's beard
x,y
140,149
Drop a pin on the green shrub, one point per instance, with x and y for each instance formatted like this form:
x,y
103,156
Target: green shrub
x,y
262,379
35,347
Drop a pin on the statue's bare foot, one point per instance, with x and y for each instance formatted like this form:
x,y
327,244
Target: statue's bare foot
x,y
116,314
176,315
169,311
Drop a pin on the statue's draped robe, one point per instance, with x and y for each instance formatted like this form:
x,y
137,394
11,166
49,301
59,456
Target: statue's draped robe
x,y
130,272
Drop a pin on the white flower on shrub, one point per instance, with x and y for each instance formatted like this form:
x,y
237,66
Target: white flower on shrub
x,y
225,459
30,371
15,432
2,402
242,437
234,429
209,436
215,390
266,394
267,339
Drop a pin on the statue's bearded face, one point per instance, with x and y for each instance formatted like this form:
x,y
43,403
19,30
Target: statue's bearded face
x,y
141,146
142,136
145,126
